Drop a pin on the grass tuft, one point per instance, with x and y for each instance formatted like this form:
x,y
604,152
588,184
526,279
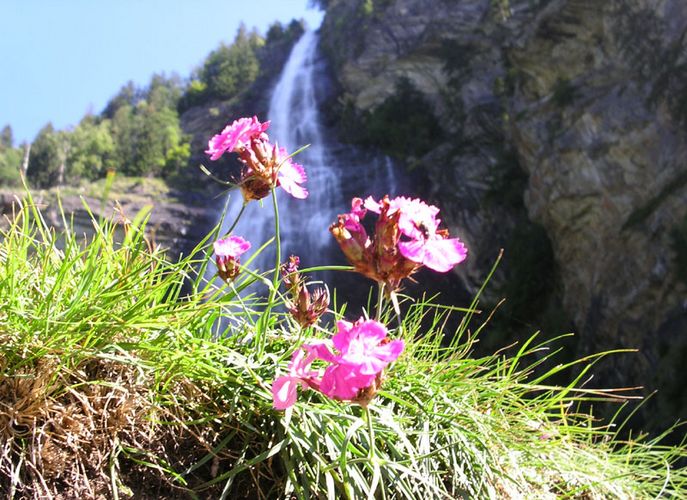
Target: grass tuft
x,y
118,379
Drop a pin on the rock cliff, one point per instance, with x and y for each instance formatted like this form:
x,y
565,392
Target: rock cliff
x,y
565,138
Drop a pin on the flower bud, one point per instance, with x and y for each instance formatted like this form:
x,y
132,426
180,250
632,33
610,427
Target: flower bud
x,y
227,252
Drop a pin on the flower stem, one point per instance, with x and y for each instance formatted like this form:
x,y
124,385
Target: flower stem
x,y
236,221
275,279
380,300
262,331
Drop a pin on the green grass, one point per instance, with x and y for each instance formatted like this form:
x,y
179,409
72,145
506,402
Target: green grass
x,y
116,381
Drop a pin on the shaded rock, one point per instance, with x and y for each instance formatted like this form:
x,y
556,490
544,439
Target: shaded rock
x,y
607,164
570,114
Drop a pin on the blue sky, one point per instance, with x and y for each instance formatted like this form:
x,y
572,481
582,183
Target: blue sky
x,y
62,58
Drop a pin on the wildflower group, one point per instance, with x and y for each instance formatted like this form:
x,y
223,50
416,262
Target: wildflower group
x,y
350,366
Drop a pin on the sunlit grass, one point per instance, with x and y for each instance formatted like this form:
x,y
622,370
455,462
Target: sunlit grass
x,y
117,381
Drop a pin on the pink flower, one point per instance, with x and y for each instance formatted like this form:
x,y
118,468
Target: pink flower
x,y
426,244
265,165
365,346
227,252
354,373
407,237
364,352
344,383
236,136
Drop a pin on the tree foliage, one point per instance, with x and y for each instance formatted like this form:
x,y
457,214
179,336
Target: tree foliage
x,y
6,137
92,149
403,125
10,159
138,134
145,129
231,68
48,155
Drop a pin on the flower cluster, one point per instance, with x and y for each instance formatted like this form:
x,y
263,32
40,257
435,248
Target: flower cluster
x,y
264,165
407,237
227,252
306,309
362,352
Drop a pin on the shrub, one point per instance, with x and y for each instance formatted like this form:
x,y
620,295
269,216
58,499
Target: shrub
x,y
403,125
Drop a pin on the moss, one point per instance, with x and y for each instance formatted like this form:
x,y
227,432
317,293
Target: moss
x,y
403,126
564,93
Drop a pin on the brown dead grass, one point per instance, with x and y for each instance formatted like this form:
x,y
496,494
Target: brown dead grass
x,y
85,433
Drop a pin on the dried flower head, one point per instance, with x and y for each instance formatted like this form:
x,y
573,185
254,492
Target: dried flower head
x,y
305,308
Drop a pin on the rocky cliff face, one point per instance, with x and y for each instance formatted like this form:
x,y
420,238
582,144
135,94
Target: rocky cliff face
x,y
564,114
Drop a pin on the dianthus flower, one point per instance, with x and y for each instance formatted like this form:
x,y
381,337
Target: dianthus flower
x,y
407,236
227,252
362,352
424,242
305,308
264,165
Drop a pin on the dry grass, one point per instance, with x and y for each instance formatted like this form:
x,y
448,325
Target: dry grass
x,y
94,431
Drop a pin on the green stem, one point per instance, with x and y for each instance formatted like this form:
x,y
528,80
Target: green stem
x,y
236,221
380,300
262,331
370,431
275,279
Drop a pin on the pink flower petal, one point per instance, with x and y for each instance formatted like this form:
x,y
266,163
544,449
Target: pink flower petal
x,y
391,351
341,382
439,255
236,135
361,346
358,208
232,246
284,392
372,205
321,351
291,176
413,250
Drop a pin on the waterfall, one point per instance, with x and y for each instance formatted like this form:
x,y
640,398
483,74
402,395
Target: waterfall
x,y
335,172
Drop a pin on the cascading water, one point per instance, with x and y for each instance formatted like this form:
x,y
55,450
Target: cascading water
x,y
335,173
